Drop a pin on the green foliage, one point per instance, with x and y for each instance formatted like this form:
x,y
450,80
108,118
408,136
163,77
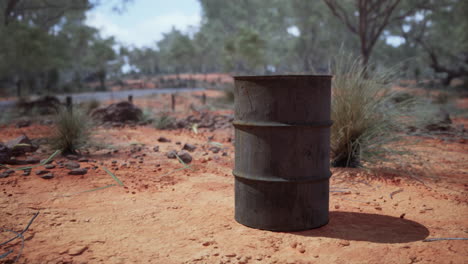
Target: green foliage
x,y
366,116
164,121
72,131
89,106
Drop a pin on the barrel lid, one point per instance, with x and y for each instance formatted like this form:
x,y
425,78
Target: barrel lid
x,y
256,77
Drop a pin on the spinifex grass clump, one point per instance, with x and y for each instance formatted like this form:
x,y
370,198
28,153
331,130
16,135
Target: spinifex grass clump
x,y
72,130
164,121
366,118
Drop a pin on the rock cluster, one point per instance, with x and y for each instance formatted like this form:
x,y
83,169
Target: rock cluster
x,y
121,112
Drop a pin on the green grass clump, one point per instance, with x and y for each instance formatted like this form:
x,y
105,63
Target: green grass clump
x,y
367,116
164,121
71,132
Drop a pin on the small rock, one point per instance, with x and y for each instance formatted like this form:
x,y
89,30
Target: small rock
x,y
71,165
5,154
48,162
215,149
10,171
302,250
42,172
171,154
402,215
231,255
72,157
47,176
164,140
185,157
178,143
83,159
23,123
79,171
4,175
378,208
224,154
49,166
77,250
156,149
26,172
32,160
189,147
344,243
293,244
337,207
21,145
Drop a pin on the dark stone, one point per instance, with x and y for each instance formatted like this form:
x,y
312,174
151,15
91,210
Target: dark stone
x,y
178,143
185,156
224,154
72,157
48,162
156,149
80,171
21,145
189,147
42,172
171,154
32,160
48,176
163,140
49,166
215,149
5,154
118,112
23,123
71,165
83,159
4,175
27,172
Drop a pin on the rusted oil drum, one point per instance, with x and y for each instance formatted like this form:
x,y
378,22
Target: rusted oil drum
x,y
282,145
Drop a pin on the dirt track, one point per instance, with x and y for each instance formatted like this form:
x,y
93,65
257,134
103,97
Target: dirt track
x,y
166,215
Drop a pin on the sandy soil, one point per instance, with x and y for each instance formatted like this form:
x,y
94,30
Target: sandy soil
x,y
168,214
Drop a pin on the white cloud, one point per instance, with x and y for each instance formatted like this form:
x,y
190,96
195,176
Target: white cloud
x,y
145,32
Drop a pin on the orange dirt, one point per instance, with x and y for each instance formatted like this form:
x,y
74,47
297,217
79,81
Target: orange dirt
x,y
165,214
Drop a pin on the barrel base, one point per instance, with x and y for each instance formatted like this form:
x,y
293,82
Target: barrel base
x,y
279,206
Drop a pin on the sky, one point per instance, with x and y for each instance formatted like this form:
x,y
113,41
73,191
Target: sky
x,y
144,21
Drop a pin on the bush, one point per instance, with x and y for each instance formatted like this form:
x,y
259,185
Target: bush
x,y
72,131
164,121
91,105
366,115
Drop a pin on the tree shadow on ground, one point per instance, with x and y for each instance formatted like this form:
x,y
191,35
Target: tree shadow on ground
x,y
369,227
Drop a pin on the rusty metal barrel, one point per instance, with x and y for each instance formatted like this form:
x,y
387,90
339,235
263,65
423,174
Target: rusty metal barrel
x,y
282,145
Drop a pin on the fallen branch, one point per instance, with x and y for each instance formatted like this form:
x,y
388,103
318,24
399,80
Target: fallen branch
x,y
444,238
395,192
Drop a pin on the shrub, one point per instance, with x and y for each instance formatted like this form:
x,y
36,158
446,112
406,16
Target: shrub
x,y
367,116
164,121
71,132
91,105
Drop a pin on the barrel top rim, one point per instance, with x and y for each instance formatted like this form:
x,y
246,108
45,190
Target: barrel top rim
x,y
257,77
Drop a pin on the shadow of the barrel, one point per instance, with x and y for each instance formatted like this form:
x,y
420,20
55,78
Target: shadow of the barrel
x,y
369,227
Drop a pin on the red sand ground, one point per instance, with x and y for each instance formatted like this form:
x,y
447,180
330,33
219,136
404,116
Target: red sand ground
x,y
187,216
